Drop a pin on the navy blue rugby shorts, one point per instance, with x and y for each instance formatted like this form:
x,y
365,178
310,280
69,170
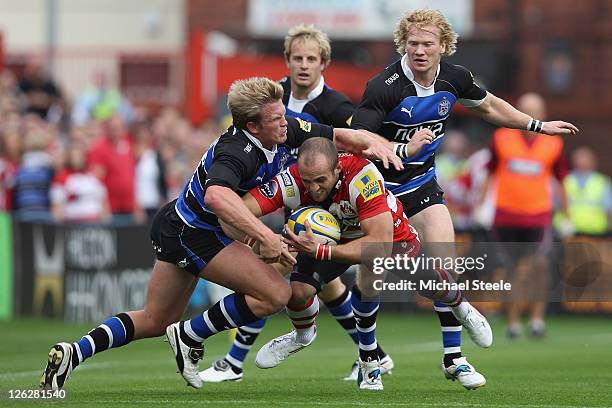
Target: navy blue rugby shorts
x,y
188,248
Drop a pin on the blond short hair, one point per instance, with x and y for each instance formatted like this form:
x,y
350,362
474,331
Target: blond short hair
x,y
420,19
246,98
308,32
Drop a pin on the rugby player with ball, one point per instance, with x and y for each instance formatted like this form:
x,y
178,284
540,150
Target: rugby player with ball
x,y
352,190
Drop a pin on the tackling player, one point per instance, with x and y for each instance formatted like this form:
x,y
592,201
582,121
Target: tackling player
x,y
189,242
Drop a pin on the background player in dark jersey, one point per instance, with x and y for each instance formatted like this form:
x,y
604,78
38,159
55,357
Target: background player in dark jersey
x,y
416,95
306,96
189,242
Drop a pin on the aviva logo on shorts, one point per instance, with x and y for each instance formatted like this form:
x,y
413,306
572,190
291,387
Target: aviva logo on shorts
x,y
368,186
304,125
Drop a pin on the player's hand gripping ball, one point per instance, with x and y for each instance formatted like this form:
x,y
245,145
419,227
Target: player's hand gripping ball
x,y
324,225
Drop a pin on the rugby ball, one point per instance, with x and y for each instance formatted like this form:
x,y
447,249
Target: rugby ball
x,y
324,225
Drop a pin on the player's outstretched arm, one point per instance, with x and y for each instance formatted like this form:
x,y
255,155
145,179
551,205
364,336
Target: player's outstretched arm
x,y
357,142
233,232
499,112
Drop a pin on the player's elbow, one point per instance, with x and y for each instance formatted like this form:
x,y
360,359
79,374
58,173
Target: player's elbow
x,y
213,197
383,234
381,242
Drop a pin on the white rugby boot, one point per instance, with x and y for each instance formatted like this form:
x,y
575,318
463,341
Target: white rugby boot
x,y
186,357
465,373
386,365
59,367
278,349
369,377
220,371
475,323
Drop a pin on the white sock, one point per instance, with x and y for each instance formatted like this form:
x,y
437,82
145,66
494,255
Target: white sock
x,y
304,336
304,320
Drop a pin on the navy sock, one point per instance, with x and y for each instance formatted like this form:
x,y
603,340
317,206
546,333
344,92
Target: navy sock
x,y
365,314
116,331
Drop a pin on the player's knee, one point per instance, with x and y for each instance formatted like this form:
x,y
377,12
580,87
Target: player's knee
x,y
300,294
332,291
276,299
368,290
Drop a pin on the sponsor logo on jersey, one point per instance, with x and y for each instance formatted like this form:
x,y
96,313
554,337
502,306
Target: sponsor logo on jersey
x,y
248,148
405,134
443,107
391,79
182,263
288,184
269,189
408,111
286,180
368,186
304,125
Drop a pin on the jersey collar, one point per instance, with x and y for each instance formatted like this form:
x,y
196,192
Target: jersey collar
x,y
410,75
268,153
314,93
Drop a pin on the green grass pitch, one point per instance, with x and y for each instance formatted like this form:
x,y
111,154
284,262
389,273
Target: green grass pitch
x,y
571,367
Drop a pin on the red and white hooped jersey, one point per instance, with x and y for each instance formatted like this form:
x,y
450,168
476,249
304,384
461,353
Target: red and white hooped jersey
x,y
359,194
82,195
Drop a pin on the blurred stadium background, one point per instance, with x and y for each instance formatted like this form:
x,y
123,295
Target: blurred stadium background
x,y
154,73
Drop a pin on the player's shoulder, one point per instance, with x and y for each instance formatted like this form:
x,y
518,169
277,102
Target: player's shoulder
x,y
455,72
296,124
351,161
364,180
234,142
285,82
290,177
332,96
354,166
391,77
290,182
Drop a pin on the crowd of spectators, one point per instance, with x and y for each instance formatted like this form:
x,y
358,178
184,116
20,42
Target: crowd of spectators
x,y
95,159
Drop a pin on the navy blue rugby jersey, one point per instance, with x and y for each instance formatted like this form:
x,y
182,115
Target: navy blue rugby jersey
x,y
237,160
325,105
396,107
